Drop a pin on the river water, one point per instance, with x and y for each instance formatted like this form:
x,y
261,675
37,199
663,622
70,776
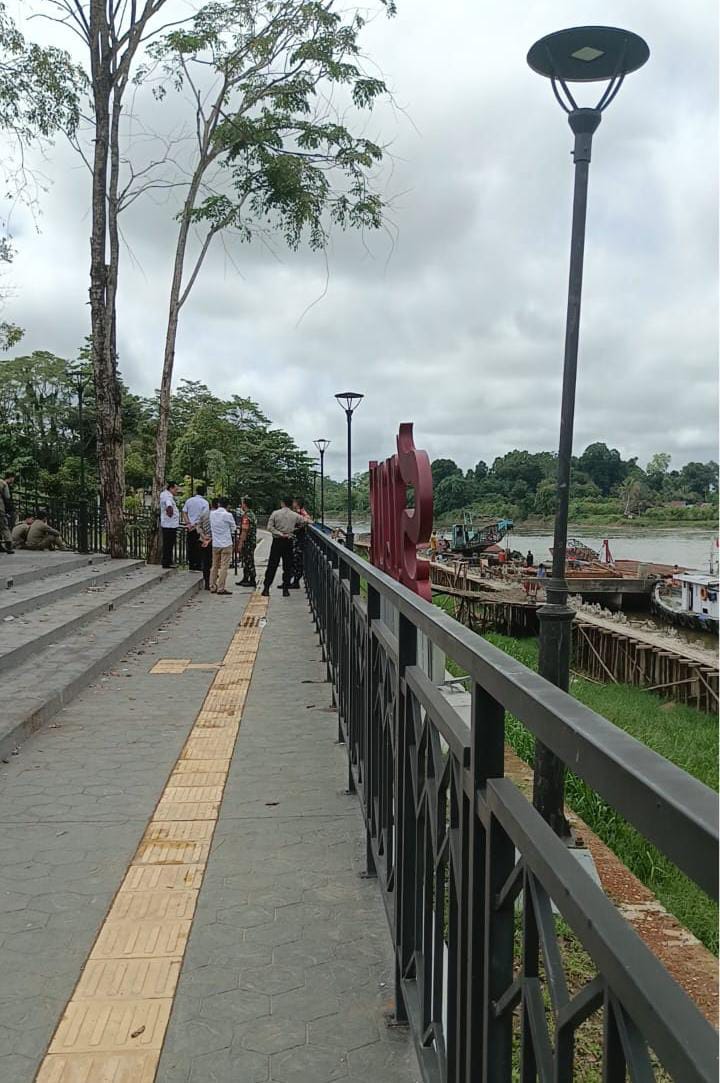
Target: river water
x,y
690,548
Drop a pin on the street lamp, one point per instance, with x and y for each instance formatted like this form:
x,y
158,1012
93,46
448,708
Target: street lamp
x,y
322,445
80,380
584,54
349,402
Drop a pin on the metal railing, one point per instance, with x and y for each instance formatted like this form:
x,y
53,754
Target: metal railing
x,y
472,877
82,524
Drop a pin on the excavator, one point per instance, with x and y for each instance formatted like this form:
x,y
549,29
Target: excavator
x,y
471,539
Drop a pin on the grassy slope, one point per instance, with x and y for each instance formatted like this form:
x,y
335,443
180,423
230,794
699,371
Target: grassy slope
x,y
681,734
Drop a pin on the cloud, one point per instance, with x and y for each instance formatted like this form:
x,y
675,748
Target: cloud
x,y
454,318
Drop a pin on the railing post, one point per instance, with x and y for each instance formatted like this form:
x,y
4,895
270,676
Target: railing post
x,y
370,777
487,756
405,840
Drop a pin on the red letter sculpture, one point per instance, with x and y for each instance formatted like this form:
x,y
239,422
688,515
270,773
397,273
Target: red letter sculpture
x,y
397,530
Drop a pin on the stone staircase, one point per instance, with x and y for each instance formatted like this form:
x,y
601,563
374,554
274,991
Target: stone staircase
x,y
67,618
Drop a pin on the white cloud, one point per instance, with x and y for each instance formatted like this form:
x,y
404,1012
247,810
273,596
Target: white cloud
x,y
459,324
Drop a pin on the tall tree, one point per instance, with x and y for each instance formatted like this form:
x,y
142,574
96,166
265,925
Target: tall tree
x,y
271,155
114,34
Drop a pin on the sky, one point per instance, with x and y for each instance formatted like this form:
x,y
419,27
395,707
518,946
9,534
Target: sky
x,y
453,316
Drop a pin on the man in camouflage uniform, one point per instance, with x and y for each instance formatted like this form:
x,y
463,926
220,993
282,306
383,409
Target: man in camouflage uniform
x,y
6,514
247,543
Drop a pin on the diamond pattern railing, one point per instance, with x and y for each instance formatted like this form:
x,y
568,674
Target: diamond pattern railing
x,y
481,897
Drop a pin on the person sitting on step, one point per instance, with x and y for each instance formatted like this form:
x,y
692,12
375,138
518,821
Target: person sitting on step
x,y
20,532
41,535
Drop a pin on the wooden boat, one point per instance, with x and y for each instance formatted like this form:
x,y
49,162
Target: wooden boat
x,y
690,600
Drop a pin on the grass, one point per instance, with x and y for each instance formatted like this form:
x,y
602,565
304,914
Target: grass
x,y
687,737
679,733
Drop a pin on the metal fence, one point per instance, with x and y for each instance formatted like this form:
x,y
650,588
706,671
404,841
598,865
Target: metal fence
x,y
472,878
82,525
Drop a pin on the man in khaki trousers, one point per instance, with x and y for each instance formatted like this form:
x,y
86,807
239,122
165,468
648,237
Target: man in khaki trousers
x,y
222,528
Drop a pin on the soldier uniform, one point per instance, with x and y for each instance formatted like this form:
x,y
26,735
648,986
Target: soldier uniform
x,y
5,513
248,532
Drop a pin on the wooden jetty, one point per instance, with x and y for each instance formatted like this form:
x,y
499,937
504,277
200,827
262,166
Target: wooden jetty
x,y
602,650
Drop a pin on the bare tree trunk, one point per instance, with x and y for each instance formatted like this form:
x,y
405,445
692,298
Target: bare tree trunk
x,y
177,298
103,281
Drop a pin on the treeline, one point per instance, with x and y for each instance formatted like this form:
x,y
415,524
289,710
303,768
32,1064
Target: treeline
x,y
605,488
227,443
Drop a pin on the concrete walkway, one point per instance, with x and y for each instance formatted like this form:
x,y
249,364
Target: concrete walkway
x,y
287,971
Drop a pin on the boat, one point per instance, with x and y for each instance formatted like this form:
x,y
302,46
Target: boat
x,y
688,600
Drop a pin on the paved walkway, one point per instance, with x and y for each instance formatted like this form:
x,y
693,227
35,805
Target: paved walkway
x,y
285,967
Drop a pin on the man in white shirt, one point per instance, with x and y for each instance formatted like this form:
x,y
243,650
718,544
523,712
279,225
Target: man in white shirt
x,y
222,528
195,507
169,523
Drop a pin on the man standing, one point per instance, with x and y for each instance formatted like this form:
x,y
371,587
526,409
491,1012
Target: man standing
x,y
195,508
299,542
169,523
248,541
7,487
281,525
7,510
222,527
42,536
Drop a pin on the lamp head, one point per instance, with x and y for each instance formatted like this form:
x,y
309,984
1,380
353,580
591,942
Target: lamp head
x,y
349,400
321,444
588,54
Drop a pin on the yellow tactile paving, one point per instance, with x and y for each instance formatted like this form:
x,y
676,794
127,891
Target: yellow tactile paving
x,y
171,665
173,851
199,779
99,1068
128,979
153,905
191,767
167,831
188,810
166,877
114,1026
162,938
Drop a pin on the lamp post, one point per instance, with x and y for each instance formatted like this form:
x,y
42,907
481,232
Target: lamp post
x,y
80,381
322,445
586,54
349,402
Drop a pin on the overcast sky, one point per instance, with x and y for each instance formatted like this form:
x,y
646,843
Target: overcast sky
x,y
455,319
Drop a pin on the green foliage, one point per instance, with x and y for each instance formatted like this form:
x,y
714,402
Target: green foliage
x,y
603,465
444,468
228,443
604,489
294,165
40,88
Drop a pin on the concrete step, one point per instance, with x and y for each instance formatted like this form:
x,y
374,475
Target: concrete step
x,y
25,567
25,635
36,689
37,593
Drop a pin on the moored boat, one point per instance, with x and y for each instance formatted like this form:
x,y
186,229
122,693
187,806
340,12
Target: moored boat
x,y
689,600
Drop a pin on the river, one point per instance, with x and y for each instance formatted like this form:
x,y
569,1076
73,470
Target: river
x,y
690,548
